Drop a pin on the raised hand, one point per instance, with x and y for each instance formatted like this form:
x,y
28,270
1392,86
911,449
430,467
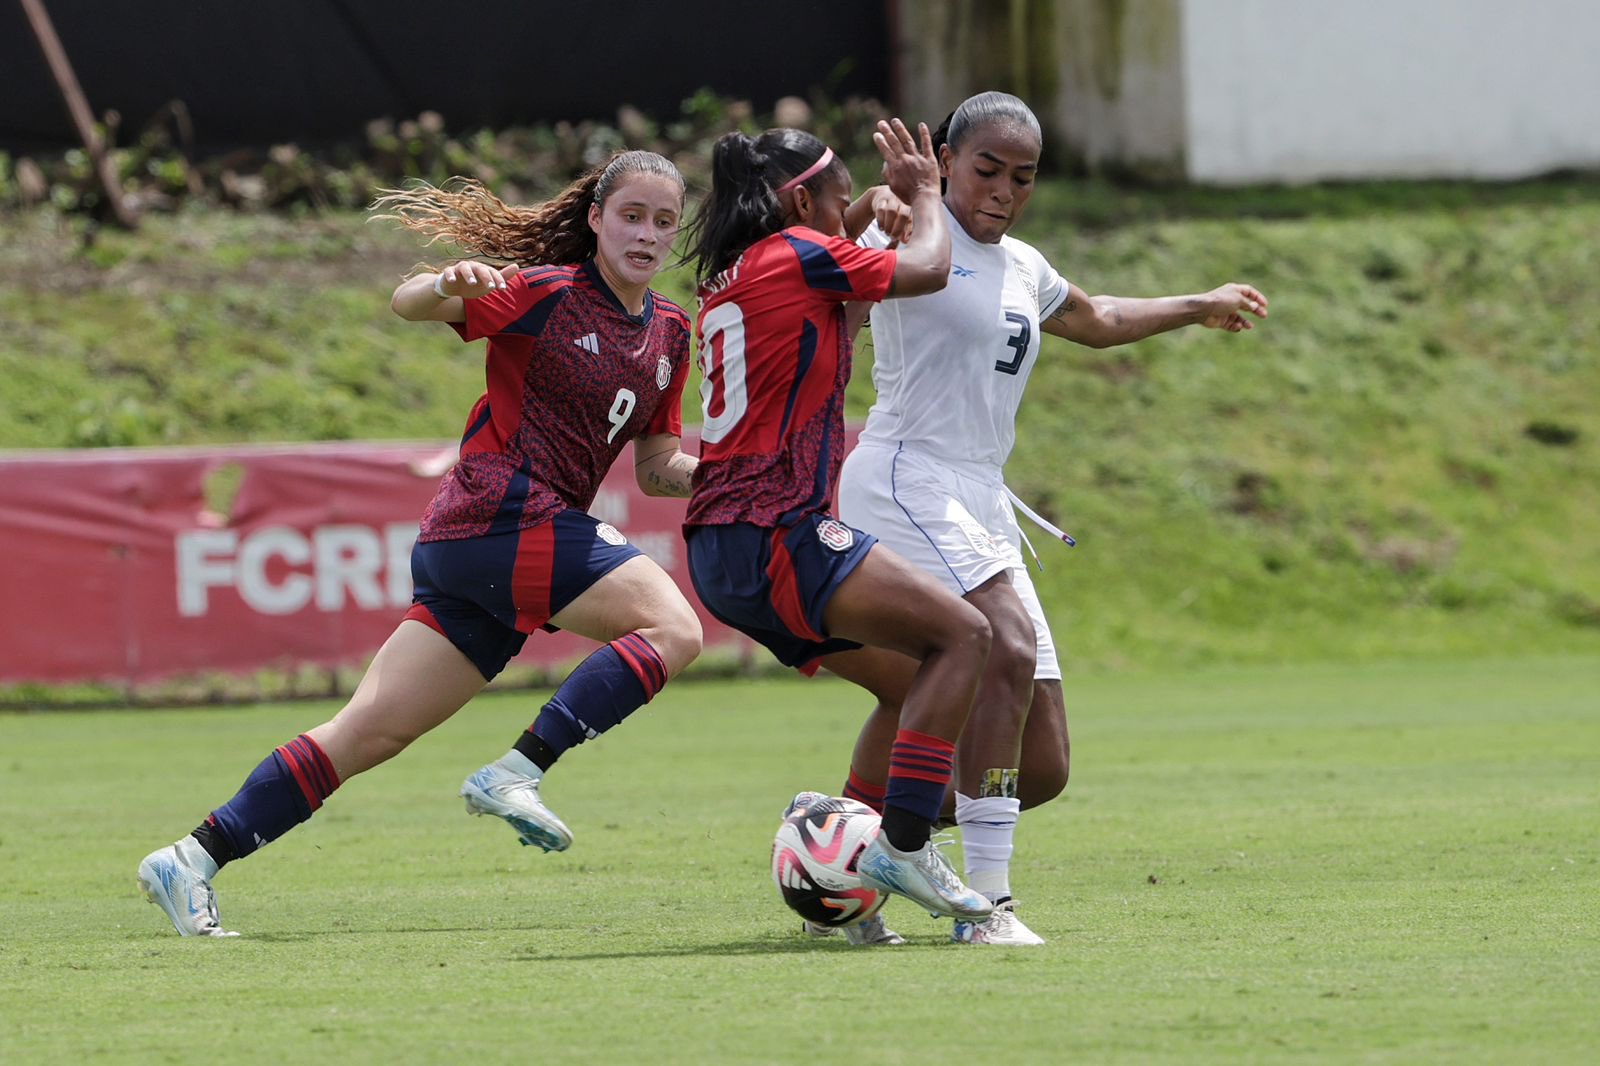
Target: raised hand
x,y
909,167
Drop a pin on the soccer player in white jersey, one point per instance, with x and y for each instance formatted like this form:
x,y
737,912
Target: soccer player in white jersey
x,y
926,478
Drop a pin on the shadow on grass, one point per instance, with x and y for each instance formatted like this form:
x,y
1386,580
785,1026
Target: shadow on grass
x,y
784,944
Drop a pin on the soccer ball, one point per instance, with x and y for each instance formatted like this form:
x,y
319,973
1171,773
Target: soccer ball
x,y
814,861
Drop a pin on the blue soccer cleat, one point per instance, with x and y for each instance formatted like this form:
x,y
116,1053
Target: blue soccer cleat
x,y
922,876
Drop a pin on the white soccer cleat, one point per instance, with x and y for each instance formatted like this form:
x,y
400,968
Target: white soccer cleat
x,y
922,876
1002,928
177,879
872,932
514,797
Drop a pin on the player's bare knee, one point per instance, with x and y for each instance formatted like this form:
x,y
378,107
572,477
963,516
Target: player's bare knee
x,y
1012,656
678,640
972,633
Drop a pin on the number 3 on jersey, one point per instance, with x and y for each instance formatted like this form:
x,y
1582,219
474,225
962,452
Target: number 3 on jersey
x,y
1018,344
723,399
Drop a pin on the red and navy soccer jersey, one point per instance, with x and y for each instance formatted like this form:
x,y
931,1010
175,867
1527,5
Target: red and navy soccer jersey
x,y
572,377
775,361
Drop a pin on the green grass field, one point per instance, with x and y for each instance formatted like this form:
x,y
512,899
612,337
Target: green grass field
x,y
1383,862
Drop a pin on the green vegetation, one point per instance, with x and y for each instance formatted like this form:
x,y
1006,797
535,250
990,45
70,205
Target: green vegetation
x,y
1379,863
1402,460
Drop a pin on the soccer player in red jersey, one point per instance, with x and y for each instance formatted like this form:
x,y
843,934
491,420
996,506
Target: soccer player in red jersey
x,y
776,274
582,358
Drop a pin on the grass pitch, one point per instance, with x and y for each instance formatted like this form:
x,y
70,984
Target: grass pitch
x,y
1385,863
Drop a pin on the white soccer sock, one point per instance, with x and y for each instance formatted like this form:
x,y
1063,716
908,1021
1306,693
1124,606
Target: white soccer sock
x,y
519,763
190,851
987,827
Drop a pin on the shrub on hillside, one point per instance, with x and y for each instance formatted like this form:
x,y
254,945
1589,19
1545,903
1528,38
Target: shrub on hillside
x,y
159,172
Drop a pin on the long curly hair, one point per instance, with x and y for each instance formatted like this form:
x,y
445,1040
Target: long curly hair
x,y
463,213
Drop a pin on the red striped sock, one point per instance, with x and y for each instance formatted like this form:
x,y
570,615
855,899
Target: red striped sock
x,y
920,766
861,790
312,769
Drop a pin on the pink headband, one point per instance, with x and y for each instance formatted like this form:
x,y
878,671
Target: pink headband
x,y
809,172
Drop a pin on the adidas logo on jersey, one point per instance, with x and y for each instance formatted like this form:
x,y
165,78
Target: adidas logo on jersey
x,y
589,343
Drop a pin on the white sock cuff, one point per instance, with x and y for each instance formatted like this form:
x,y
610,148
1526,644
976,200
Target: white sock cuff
x,y
995,811
517,762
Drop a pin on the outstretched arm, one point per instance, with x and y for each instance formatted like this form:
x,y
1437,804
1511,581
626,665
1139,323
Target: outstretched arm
x,y
1105,321
661,466
419,299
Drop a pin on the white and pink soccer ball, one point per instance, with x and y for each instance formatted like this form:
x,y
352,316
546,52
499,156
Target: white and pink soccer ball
x,y
814,861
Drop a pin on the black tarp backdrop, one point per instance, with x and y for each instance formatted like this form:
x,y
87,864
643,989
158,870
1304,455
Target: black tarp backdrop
x,y
318,70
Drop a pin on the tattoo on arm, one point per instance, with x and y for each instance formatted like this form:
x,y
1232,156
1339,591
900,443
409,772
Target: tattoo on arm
x,y
1065,309
666,485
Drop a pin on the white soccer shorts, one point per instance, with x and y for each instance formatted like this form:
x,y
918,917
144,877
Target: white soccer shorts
x,y
959,528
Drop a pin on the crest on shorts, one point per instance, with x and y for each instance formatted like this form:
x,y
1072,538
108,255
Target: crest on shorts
x,y
610,533
835,535
978,537
663,373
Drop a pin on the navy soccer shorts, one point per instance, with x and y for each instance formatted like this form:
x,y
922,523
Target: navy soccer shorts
x,y
486,594
773,584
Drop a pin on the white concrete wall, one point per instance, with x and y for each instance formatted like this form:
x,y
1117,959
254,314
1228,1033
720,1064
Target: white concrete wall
x,y
1299,90
1120,98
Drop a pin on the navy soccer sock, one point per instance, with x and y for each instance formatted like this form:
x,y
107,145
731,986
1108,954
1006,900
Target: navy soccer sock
x,y
609,685
279,794
919,772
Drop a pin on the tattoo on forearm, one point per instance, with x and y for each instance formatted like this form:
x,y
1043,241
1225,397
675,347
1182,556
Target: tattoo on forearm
x,y
1065,309
666,485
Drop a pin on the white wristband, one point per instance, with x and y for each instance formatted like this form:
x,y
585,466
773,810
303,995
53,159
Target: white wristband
x,y
438,287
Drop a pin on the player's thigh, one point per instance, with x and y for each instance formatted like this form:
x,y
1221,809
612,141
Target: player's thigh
x,y
637,596
416,681
1013,642
886,602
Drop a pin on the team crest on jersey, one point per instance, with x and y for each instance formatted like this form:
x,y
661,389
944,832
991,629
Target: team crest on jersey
x,y
610,533
978,537
835,536
663,373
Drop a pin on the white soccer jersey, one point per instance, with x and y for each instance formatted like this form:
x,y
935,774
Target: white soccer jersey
x,y
950,367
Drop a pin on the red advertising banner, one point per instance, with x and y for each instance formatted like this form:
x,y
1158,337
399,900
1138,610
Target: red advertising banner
x,y
116,569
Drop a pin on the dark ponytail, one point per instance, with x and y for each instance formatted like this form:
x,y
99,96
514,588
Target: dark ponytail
x,y
742,206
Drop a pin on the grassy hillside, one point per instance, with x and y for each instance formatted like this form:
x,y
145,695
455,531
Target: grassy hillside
x,y
1402,460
